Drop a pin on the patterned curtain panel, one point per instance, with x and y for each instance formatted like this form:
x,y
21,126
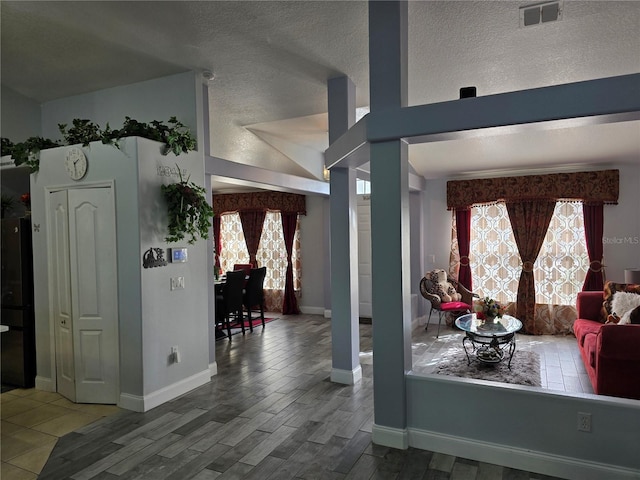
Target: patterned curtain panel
x,y
259,201
216,241
594,231
590,187
463,227
529,221
252,224
289,228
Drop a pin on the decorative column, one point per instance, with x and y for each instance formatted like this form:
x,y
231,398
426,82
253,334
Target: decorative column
x,y
345,334
390,236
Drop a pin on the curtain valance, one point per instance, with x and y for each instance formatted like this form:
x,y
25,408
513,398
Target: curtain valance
x,y
259,202
598,187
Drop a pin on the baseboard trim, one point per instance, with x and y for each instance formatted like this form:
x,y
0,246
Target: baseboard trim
x,y
145,403
213,369
521,459
390,437
312,310
45,384
346,377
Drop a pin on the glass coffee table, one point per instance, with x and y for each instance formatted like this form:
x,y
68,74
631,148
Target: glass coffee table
x,y
488,340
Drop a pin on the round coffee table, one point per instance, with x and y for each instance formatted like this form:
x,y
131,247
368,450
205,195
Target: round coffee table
x,y
489,339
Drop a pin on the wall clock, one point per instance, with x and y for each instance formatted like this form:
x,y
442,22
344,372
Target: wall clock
x,y
76,163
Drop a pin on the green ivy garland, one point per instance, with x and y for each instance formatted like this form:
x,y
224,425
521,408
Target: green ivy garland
x,y
188,210
176,138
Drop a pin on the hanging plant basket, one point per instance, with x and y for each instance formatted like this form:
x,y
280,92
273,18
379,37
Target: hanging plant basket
x,y
189,213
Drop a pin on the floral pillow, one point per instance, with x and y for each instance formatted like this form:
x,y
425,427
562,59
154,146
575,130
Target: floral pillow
x,y
610,289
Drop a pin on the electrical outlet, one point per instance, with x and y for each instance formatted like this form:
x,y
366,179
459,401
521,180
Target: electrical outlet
x,y
177,283
584,422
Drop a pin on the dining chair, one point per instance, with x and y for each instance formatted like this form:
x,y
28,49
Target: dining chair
x,y
254,294
229,303
245,267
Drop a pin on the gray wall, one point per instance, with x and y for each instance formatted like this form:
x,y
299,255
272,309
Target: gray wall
x,y
312,246
156,99
151,317
20,116
524,427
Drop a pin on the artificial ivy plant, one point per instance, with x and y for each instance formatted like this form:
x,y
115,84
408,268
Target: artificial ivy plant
x,y
188,210
176,137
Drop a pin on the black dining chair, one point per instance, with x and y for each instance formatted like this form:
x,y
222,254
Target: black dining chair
x,y
254,294
229,301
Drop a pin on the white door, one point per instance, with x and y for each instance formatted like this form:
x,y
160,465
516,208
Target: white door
x,y
94,305
364,255
61,293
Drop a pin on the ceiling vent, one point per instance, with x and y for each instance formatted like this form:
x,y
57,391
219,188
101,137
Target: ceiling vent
x,y
531,15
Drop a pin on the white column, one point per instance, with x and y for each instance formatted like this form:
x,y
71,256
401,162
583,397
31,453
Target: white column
x,y
345,334
390,241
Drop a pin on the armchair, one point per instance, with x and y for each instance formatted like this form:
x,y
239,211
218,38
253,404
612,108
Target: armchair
x,y
445,294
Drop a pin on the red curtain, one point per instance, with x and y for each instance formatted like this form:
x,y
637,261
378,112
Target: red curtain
x,y
252,223
463,229
594,230
216,240
529,222
289,302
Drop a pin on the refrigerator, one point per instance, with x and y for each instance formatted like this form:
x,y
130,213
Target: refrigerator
x,y
18,347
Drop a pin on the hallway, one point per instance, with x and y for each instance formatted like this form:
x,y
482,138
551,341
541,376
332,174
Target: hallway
x,y
271,412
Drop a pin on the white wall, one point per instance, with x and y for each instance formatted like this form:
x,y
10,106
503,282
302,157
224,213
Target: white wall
x,y
156,99
621,223
170,318
312,246
151,317
524,427
20,116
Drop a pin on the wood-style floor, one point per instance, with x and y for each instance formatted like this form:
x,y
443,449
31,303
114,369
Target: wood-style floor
x,y
270,413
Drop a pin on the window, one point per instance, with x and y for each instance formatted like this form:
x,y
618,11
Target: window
x,y
559,270
271,254
363,187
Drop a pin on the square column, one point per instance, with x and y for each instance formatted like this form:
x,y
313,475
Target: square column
x,y
345,332
390,236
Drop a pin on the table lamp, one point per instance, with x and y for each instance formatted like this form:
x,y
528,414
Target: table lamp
x,y
632,275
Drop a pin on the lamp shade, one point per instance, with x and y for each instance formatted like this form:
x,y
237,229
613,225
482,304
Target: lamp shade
x,y
632,275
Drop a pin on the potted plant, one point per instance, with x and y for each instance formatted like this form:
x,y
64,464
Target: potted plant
x,y
7,204
188,210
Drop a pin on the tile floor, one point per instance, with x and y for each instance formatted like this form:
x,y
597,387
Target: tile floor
x,y
32,421
561,367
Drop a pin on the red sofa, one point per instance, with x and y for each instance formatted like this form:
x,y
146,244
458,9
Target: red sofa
x,y
610,352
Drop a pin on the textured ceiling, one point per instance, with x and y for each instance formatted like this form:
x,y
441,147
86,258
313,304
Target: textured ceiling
x,y
272,60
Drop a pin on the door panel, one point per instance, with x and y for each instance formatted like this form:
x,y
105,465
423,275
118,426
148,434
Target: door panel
x,y
61,293
94,299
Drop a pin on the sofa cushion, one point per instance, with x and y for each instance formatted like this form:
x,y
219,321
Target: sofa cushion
x,y
591,347
610,288
582,327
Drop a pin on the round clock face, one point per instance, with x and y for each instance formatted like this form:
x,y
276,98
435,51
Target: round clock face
x,y
76,163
